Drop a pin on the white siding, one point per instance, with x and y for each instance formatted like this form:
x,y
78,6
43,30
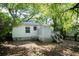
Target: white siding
x,y
45,34
20,32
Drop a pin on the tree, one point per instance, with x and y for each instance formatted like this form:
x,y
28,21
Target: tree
x,y
62,15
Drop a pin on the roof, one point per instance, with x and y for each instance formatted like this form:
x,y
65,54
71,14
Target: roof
x,y
30,23
33,23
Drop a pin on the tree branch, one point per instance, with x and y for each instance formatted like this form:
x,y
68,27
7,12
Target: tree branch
x,y
72,8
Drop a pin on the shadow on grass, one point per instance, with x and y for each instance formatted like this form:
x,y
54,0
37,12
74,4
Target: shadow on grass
x,y
6,51
19,51
75,48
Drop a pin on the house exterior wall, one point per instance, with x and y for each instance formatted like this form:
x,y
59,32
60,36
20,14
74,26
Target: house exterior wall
x,y
19,32
45,34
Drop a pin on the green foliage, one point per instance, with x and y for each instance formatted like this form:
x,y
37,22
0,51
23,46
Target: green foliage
x,y
63,18
6,24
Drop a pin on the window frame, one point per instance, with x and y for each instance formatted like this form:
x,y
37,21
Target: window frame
x,y
27,29
34,28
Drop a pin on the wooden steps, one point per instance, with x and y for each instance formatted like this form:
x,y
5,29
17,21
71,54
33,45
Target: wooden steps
x,y
57,37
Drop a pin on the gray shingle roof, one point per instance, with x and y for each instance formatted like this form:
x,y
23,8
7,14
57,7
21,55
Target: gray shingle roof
x,y
30,23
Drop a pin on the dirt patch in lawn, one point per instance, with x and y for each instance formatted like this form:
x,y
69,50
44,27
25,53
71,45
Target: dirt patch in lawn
x,y
36,48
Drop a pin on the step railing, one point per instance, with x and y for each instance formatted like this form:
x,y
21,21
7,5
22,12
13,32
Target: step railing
x,y
57,37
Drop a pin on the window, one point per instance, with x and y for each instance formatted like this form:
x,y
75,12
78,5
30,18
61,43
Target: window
x,y
35,28
27,29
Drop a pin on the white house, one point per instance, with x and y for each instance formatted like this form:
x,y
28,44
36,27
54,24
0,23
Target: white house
x,y
32,31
